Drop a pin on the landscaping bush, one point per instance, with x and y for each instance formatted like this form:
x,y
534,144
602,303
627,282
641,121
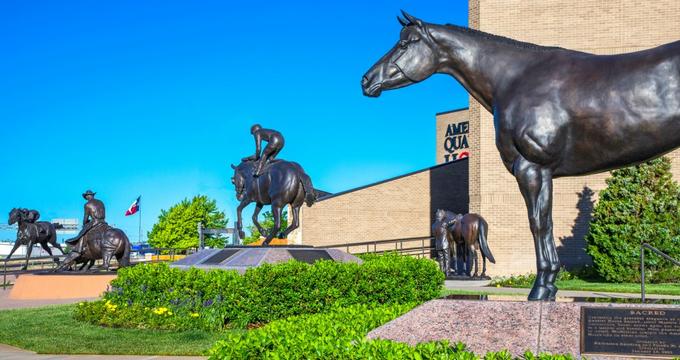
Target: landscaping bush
x,y
527,280
640,204
339,334
157,296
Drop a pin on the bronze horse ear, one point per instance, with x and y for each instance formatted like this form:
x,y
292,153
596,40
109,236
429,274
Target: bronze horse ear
x,y
233,166
403,22
411,19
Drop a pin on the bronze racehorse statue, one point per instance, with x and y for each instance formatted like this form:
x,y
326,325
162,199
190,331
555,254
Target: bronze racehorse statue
x,y
281,183
557,112
31,232
467,233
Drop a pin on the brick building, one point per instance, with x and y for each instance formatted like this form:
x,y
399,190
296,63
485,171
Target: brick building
x,y
600,27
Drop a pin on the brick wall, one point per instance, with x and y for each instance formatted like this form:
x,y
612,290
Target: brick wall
x,y
601,27
398,208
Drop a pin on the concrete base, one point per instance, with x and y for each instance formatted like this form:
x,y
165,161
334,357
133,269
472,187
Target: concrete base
x,y
57,286
496,325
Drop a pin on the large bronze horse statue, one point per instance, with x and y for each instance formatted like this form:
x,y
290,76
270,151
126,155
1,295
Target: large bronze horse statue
x,y
557,112
104,244
281,183
466,233
31,232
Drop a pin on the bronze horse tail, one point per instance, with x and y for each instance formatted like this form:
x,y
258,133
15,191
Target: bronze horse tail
x,y
125,259
483,245
310,195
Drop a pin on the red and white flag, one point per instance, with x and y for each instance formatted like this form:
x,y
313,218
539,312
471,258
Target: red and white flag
x,y
134,207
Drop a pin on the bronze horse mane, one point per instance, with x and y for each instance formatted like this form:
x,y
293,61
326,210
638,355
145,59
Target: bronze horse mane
x,y
557,112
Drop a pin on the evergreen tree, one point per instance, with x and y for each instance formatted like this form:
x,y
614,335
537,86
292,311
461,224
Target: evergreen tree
x,y
640,204
177,228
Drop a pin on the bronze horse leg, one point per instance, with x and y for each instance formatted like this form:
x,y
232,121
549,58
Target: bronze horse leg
x,y
276,211
29,250
17,243
295,221
535,184
256,213
239,217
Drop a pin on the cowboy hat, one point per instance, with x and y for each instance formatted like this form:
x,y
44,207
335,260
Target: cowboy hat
x,y
88,192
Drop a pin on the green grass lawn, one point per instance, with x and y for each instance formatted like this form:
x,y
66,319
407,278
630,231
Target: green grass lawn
x,y
578,284
480,291
52,330
584,285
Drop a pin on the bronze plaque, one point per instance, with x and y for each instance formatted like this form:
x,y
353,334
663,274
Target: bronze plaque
x,y
653,332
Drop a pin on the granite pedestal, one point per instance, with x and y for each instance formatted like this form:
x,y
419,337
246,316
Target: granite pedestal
x,y
485,326
241,258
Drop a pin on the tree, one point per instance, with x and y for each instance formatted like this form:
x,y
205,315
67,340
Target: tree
x,y
267,224
177,228
640,204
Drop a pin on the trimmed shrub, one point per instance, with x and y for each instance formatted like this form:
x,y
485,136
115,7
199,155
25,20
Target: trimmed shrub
x,y
527,280
640,204
214,299
339,334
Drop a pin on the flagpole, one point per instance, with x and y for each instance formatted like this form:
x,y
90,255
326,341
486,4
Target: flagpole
x,y
140,221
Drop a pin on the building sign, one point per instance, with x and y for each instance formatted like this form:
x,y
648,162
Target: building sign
x,y
456,144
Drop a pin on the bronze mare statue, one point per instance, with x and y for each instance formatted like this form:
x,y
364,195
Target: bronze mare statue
x,y
281,183
467,233
557,112
31,232
97,240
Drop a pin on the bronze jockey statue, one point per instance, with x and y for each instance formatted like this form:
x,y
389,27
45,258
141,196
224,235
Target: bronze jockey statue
x,y
274,141
94,217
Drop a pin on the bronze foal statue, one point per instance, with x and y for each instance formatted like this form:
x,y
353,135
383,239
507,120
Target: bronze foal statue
x,y
465,233
557,112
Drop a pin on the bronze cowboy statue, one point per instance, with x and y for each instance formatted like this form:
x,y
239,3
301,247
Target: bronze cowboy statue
x,y
93,220
274,146
557,112
30,232
279,183
97,240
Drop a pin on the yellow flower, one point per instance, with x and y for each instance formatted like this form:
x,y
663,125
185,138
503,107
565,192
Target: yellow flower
x,y
110,306
498,285
160,311
194,315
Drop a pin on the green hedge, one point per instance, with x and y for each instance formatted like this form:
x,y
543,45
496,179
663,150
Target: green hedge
x,y
339,334
157,296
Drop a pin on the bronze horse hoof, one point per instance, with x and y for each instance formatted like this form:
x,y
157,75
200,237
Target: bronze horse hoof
x,y
540,293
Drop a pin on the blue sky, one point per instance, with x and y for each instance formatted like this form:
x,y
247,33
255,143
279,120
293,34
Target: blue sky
x,y
157,97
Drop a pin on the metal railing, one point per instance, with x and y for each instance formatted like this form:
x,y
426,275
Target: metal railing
x,y
416,246
642,265
14,266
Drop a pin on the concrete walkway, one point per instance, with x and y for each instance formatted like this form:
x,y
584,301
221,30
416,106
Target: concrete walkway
x,y
11,353
465,285
7,303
